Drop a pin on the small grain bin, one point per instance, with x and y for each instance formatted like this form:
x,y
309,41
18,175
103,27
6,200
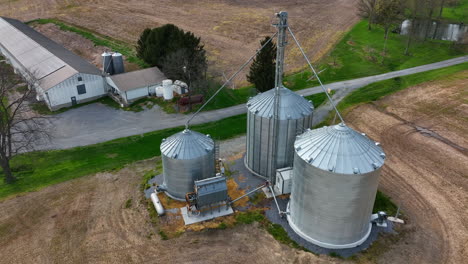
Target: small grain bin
x,y
117,61
107,65
187,156
335,178
294,117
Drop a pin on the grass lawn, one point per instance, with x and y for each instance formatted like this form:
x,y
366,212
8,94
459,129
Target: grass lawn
x,y
359,54
39,169
457,13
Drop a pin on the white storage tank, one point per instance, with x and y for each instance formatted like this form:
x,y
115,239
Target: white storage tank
x,y
295,116
159,91
167,90
187,156
335,177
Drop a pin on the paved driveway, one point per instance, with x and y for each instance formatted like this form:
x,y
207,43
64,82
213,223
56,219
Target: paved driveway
x,y
96,123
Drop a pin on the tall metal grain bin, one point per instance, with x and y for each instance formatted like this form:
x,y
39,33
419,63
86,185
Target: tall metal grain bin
x,y
335,177
186,157
117,61
295,116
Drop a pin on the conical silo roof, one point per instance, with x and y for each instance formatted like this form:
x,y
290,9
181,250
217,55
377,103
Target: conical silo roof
x,y
292,105
186,145
339,149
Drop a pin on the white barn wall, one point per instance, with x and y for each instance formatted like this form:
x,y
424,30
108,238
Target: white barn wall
x,y
137,93
60,95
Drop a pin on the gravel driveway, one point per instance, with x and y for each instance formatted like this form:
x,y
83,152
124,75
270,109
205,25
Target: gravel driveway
x,y
96,123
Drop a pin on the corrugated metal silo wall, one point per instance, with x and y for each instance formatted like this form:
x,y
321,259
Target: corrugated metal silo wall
x,y
179,175
260,142
329,207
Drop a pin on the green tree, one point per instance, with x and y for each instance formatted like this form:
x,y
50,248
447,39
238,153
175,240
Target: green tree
x,y
262,70
161,46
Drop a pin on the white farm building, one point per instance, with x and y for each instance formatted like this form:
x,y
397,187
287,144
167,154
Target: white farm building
x,y
61,78
131,86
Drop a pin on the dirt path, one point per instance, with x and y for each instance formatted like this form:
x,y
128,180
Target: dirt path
x,y
426,174
231,30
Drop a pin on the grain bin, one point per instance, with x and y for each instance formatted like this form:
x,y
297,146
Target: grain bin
x,y
186,157
107,66
335,178
117,61
294,117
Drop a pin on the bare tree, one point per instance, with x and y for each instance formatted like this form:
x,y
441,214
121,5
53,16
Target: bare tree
x,y
20,127
388,13
366,9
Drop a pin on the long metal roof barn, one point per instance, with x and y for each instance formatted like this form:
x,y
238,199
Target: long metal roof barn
x,y
47,61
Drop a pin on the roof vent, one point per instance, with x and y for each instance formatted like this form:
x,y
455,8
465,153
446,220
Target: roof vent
x,y
208,136
382,155
164,140
356,170
375,165
309,160
298,148
175,156
364,134
377,143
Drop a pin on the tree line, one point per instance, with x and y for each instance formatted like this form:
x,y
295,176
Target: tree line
x,y
390,13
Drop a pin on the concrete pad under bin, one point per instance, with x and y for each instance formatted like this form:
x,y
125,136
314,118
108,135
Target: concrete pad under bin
x,y
217,212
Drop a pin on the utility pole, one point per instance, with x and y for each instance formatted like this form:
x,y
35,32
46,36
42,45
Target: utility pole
x,y
281,43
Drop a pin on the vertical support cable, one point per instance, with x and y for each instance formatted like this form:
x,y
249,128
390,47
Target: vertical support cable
x,y
316,75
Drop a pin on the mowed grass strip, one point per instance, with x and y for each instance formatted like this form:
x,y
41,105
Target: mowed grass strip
x,y
378,90
36,170
128,50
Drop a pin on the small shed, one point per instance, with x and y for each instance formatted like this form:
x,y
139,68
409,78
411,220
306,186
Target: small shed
x,y
131,86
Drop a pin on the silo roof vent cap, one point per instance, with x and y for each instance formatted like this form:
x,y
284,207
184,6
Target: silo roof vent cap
x,y
356,170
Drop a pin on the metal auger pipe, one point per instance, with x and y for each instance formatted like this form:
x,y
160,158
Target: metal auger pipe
x,y
316,75
228,81
281,213
254,190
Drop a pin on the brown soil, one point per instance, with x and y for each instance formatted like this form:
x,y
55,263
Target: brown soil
x,y
423,132
230,30
85,221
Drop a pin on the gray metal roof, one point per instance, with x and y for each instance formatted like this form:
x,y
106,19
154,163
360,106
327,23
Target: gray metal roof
x,y
292,105
70,58
48,61
138,79
339,149
187,144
